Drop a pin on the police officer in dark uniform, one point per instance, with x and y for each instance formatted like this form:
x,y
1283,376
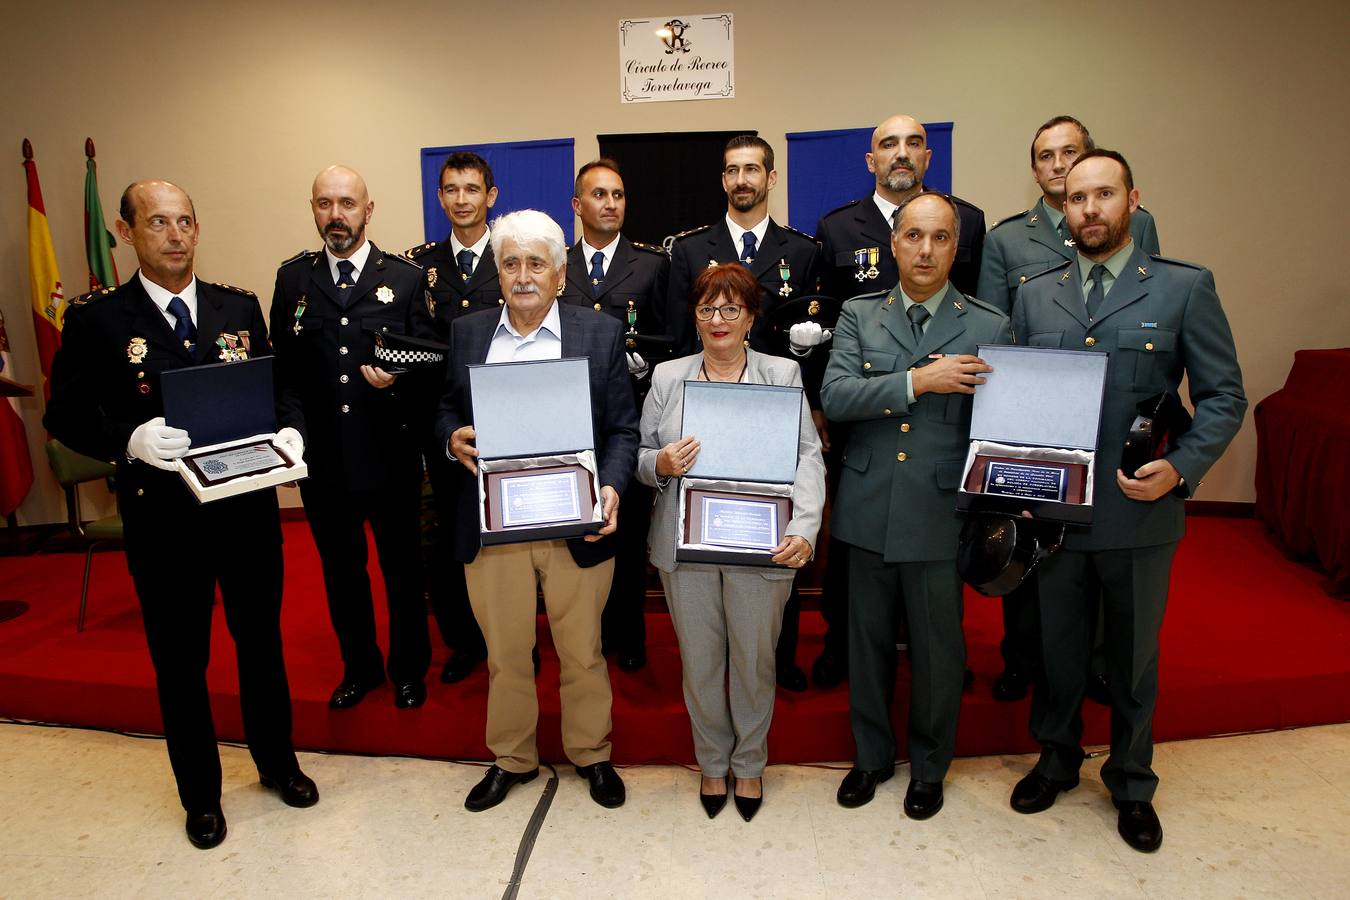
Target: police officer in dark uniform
x,y
855,238
461,278
106,403
364,455
787,264
609,273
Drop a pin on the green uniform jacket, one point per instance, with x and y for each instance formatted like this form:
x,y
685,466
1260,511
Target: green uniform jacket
x,y
1160,320
902,464
1027,244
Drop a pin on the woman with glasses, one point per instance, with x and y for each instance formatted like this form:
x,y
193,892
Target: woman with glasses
x,y
726,617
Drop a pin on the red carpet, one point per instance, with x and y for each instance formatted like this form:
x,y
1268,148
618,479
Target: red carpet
x,y
1251,642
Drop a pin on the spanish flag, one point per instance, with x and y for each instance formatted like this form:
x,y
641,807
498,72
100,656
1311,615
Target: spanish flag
x,y
49,303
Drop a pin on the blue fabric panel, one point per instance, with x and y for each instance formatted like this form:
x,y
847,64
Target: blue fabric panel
x,y
827,169
528,174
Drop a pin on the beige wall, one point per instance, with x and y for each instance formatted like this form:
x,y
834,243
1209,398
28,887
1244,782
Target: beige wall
x,y
1235,125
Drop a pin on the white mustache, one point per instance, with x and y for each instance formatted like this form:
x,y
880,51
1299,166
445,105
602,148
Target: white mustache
x,y
524,289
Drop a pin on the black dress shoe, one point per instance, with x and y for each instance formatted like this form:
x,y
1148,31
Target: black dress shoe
x,y
1010,687
606,785
859,785
633,662
410,695
296,789
206,829
748,806
351,692
1036,793
829,669
1098,691
1138,824
460,665
492,789
923,799
712,803
791,677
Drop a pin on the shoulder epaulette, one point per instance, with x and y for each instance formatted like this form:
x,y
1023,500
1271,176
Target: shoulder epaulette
x,y
1176,262
875,295
1013,218
403,259
849,205
1057,268
90,297
987,307
800,234
650,248
420,250
233,289
699,230
303,254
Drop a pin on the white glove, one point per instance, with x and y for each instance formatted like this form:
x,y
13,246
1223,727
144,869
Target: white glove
x,y
637,366
289,440
805,335
156,444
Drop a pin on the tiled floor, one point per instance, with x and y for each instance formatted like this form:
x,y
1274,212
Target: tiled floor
x,y
92,814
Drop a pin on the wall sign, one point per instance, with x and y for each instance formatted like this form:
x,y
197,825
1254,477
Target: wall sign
x,y
676,58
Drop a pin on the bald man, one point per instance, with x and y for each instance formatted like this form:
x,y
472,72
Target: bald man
x,y
106,403
364,461
856,237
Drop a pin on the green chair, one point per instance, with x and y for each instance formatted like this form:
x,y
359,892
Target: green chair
x,y
73,469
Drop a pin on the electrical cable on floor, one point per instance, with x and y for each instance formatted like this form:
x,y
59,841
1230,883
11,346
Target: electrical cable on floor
x,y
531,834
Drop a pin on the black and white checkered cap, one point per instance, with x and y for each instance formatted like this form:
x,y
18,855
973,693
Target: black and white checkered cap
x,y
402,350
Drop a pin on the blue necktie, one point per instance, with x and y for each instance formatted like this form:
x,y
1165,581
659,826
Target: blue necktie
x,y
597,272
346,279
465,258
748,254
1098,293
183,329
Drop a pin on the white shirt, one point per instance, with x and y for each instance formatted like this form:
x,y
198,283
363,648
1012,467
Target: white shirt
x,y
887,207
161,297
479,247
509,345
357,259
587,252
737,232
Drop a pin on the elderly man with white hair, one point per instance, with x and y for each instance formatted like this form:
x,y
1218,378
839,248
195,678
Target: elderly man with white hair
x,y
575,574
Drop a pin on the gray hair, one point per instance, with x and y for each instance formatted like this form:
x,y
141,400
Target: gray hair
x,y
956,213
529,228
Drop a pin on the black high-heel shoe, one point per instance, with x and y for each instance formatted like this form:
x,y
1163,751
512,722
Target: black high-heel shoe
x,y
712,803
748,806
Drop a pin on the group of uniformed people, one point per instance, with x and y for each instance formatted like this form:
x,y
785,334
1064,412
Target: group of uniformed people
x,y
889,386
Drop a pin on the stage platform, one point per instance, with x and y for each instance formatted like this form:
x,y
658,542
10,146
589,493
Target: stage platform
x,y
1250,642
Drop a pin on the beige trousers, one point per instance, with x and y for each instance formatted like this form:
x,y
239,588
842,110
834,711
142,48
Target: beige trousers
x,y
502,588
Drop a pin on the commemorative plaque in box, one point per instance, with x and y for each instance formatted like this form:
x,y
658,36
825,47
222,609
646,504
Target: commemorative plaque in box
x,y
1033,433
736,502
227,410
537,473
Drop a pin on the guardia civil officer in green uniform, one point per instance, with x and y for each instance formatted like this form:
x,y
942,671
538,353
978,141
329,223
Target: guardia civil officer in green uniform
x,y
902,375
1160,320
1036,239
1017,248
627,280
787,265
460,276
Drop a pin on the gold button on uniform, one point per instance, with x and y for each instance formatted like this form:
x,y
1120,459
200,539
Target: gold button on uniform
x,y
867,365
500,302
597,307
1022,280
343,321
1148,346
343,379
886,411
140,492
904,427
902,456
342,350
346,408
1090,341
464,303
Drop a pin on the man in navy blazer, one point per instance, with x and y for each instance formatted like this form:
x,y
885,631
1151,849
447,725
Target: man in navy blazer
x,y
575,574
